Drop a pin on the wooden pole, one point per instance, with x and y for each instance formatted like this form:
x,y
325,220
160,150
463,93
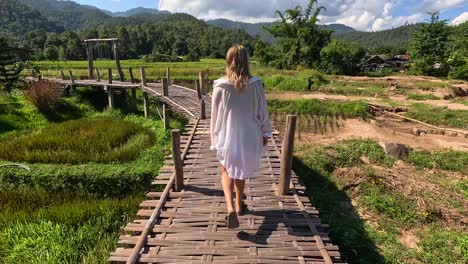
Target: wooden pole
x,y
98,75
197,85
72,80
143,76
202,109
130,72
165,87
62,75
109,74
168,75
287,155
165,116
146,104
117,61
110,97
178,164
201,78
89,49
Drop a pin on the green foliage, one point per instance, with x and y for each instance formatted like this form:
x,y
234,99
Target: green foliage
x,y
321,108
445,160
80,141
392,206
438,116
458,60
18,114
300,38
51,53
430,46
155,57
422,97
82,231
341,58
390,41
9,67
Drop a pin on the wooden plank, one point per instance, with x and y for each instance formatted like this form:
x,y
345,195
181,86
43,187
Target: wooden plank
x,y
178,165
287,155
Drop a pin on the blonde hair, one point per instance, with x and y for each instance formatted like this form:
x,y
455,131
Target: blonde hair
x,y
237,70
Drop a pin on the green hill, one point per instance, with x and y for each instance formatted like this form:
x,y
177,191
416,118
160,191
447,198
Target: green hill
x,y
397,39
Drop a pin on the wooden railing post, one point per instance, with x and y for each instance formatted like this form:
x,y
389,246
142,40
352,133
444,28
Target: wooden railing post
x,y
287,155
165,85
130,72
143,76
62,75
202,109
98,75
165,116
109,73
197,86
201,79
168,75
178,164
146,104
72,80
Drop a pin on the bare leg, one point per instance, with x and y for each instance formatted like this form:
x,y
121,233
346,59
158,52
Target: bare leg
x,y
227,183
239,185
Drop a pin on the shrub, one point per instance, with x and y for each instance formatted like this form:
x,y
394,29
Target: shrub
x,y
460,72
44,94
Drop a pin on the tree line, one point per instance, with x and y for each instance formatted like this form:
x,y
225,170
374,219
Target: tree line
x,y
436,48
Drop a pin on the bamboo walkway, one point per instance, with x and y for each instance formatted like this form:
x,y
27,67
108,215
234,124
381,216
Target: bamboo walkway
x,y
188,226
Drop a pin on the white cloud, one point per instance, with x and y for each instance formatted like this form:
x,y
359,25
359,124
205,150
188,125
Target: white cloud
x,y
460,19
360,14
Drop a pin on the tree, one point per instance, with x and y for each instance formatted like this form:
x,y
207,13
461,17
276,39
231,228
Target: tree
x,y
340,57
300,38
430,46
51,53
9,66
458,59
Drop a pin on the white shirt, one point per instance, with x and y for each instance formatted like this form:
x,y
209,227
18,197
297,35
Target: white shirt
x,y
239,121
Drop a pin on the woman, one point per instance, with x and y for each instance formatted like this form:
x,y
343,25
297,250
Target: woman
x,y
240,127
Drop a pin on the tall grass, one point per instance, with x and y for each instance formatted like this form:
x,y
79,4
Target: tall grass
x,y
82,231
78,141
439,116
320,108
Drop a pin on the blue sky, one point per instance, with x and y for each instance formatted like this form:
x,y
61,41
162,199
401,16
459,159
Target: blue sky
x,y
368,15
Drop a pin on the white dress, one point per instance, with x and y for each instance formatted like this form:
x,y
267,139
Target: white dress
x,y
239,121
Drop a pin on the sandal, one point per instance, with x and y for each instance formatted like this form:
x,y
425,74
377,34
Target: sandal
x,y
243,208
232,221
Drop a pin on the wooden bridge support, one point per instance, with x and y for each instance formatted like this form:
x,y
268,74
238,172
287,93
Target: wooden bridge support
x,y
117,61
178,163
165,85
98,75
287,155
168,75
89,50
109,74
130,72
134,99
143,76
146,104
165,116
72,79
110,97
62,75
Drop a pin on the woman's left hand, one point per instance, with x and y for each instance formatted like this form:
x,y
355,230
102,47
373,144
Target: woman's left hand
x,y
265,140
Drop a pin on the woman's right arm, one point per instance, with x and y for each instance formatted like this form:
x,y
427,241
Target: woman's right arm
x,y
216,98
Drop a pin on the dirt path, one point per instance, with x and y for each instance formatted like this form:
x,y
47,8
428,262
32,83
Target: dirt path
x,y
388,131
400,99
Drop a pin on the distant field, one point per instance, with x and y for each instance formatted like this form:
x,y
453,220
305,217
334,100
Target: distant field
x,y
154,70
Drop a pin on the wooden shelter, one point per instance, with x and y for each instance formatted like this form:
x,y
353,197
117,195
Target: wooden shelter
x,y
89,51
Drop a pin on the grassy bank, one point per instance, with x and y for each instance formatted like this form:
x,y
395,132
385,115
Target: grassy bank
x,y
439,116
384,212
72,210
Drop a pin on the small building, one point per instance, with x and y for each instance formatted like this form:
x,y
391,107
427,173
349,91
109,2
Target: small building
x,y
379,62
